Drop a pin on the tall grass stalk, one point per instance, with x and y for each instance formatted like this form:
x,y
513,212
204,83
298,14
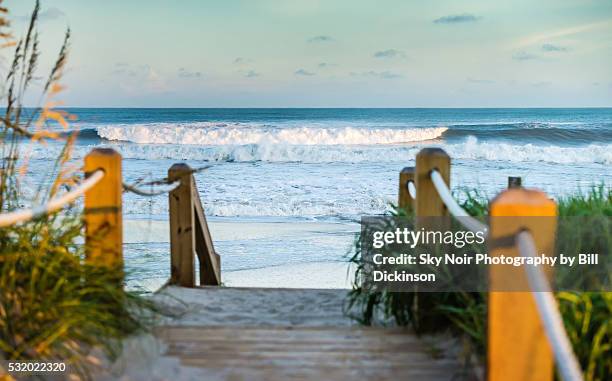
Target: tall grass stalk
x,y
53,305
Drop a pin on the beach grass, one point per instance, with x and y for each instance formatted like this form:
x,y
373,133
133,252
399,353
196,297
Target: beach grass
x,y
587,315
54,305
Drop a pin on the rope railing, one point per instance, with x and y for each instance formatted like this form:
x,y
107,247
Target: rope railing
x,y
453,207
137,186
12,218
411,189
567,363
134,189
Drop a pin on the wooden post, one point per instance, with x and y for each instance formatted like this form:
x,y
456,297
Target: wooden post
x,y
103,216
428,201
404,200
514,182
517,345
182,221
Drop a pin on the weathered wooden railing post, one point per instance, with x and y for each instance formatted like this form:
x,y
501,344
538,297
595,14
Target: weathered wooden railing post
x,y
404,200
428,202
189,233
182,221
103,216
517,345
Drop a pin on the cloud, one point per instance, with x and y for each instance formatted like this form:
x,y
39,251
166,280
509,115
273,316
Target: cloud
x,y
321,38
251,74
242,60
569,31
51,14
184,73
553,48
524,56
456,19
325,65
48,14
389,53
480,81
541,84
123,68
303,72
376,74
137,79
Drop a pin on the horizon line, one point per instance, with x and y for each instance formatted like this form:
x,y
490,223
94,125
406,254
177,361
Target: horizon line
x,y
323,108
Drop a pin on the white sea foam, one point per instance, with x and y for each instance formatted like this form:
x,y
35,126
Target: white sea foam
x,y
470,149
242,134
255,183
473,149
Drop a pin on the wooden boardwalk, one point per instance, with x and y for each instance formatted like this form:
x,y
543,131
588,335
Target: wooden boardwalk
x,y
275,346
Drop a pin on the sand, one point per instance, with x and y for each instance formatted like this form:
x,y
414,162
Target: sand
x,y
313,295
143,358
328,275
321,273
145,230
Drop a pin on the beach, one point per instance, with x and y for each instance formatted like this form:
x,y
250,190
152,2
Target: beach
x,y
248,269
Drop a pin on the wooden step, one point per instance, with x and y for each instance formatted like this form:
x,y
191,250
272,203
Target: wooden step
x,y
306,353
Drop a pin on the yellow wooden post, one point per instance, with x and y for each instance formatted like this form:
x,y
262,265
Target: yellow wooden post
x,y
404,201
103,216
182,225
517,345
428,201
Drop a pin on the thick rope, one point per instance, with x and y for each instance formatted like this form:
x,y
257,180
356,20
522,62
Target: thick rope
x,y
411,189
567,363
167,181
455,210
18,216
136,187
566,360
136,190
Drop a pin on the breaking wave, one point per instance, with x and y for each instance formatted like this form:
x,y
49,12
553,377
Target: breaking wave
x,y
243,134
469,149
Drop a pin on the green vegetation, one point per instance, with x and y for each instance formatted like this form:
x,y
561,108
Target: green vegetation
x,y
53,305
587,315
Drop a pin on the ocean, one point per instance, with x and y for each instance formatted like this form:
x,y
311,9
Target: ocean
x,y
286,187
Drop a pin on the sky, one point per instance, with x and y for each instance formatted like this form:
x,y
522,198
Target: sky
x,y
328,53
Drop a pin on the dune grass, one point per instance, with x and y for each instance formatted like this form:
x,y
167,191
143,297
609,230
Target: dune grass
x,y
587,315
54,306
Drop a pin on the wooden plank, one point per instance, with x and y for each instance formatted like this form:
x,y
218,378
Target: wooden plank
x,y
189,332
309,353
209,260
266,371
103,215
182,221
404,200
517,345
271,346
